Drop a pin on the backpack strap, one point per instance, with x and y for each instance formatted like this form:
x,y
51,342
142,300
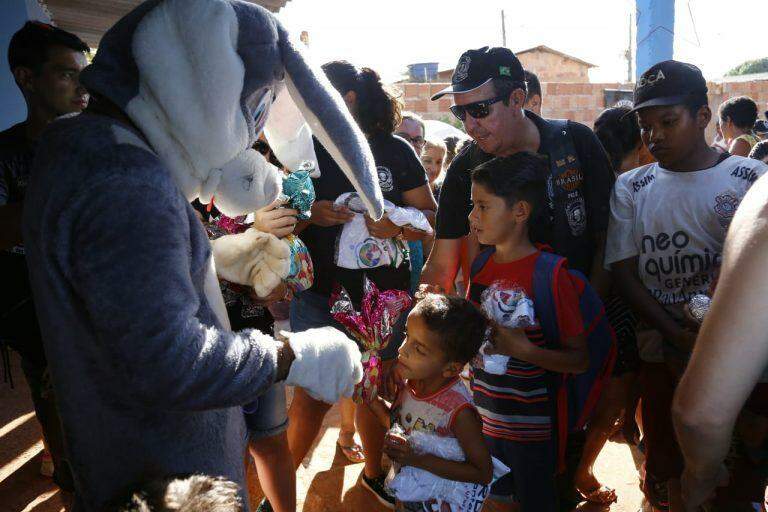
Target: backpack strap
x,y
476,289
563,158
545,283
480,260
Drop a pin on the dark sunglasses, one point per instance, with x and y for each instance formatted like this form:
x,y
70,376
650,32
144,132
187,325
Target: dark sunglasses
x,y
478,109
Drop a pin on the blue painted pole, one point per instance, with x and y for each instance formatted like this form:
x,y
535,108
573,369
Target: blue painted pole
x,y
655,33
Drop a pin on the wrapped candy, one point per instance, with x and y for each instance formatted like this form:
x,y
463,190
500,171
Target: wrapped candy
x,y
301,275
357,249
699,306
298,191
495,364
371,327
418,485
231,225
507,305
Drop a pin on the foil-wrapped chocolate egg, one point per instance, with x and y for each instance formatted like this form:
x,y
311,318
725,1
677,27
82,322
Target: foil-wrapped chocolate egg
x,y
698,306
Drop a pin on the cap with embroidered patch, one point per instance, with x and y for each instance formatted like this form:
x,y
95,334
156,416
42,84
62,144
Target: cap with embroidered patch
x,y
669,83
478,67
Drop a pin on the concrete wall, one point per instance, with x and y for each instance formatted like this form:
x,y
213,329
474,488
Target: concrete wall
x,y
12,107
580,102
15,14
550,67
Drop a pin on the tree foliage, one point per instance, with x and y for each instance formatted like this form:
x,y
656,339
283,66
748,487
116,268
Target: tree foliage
x,y
750,67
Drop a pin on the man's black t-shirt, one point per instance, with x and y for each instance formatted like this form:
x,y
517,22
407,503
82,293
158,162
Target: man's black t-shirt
x,y
593,183
18,321
399,171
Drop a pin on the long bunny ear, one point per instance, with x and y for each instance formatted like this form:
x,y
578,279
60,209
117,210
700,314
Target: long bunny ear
x,y
331,123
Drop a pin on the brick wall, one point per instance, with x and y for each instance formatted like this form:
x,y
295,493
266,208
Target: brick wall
x,y
551,67
580,102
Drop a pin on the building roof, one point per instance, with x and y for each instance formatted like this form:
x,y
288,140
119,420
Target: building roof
x,y
543,48
89,19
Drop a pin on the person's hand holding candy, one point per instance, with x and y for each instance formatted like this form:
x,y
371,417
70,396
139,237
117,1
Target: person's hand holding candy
x,y
383,228
275,220
511,342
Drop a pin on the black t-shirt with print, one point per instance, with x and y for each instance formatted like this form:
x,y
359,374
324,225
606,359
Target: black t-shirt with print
x,y
594,186
18,321
399,171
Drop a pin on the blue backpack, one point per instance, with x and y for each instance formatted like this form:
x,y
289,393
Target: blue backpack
x,y
574,396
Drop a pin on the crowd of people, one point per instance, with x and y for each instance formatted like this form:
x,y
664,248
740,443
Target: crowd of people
x,y
636,224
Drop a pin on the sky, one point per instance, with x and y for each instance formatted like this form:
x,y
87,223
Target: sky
x,y
387,35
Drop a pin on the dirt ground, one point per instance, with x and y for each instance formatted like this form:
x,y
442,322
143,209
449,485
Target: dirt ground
x,y
326,481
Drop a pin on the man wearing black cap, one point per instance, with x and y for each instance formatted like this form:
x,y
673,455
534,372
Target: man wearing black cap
x,y
489,91
45,62
665,243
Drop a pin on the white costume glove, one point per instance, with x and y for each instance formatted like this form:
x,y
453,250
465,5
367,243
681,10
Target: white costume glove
x,y
327,365
252,258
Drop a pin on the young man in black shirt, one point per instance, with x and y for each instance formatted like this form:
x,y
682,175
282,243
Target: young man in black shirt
x,y
490,91
45,62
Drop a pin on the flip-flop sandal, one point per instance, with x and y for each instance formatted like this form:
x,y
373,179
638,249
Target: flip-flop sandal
x,y
601,496
353,453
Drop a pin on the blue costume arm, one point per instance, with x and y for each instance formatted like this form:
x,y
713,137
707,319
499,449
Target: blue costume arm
x,y
131,268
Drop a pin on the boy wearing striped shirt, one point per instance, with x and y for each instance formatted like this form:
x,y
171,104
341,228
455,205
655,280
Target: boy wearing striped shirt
x,y
509,196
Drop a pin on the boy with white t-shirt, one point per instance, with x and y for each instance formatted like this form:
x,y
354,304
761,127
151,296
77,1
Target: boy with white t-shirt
x,y
665,240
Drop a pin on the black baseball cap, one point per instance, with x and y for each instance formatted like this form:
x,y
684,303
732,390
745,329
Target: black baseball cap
x,y
477,67
669,83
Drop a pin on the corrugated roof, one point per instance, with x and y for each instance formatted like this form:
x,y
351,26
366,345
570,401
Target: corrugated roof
x,y
89,19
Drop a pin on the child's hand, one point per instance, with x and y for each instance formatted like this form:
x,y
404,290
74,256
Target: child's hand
x,y
275,220
392,381
399,450
511,342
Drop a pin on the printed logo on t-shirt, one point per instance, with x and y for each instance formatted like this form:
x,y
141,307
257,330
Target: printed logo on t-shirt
x,y
462,69
670,262
642,182
385,179
745,173
570,180
576,212
725,208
